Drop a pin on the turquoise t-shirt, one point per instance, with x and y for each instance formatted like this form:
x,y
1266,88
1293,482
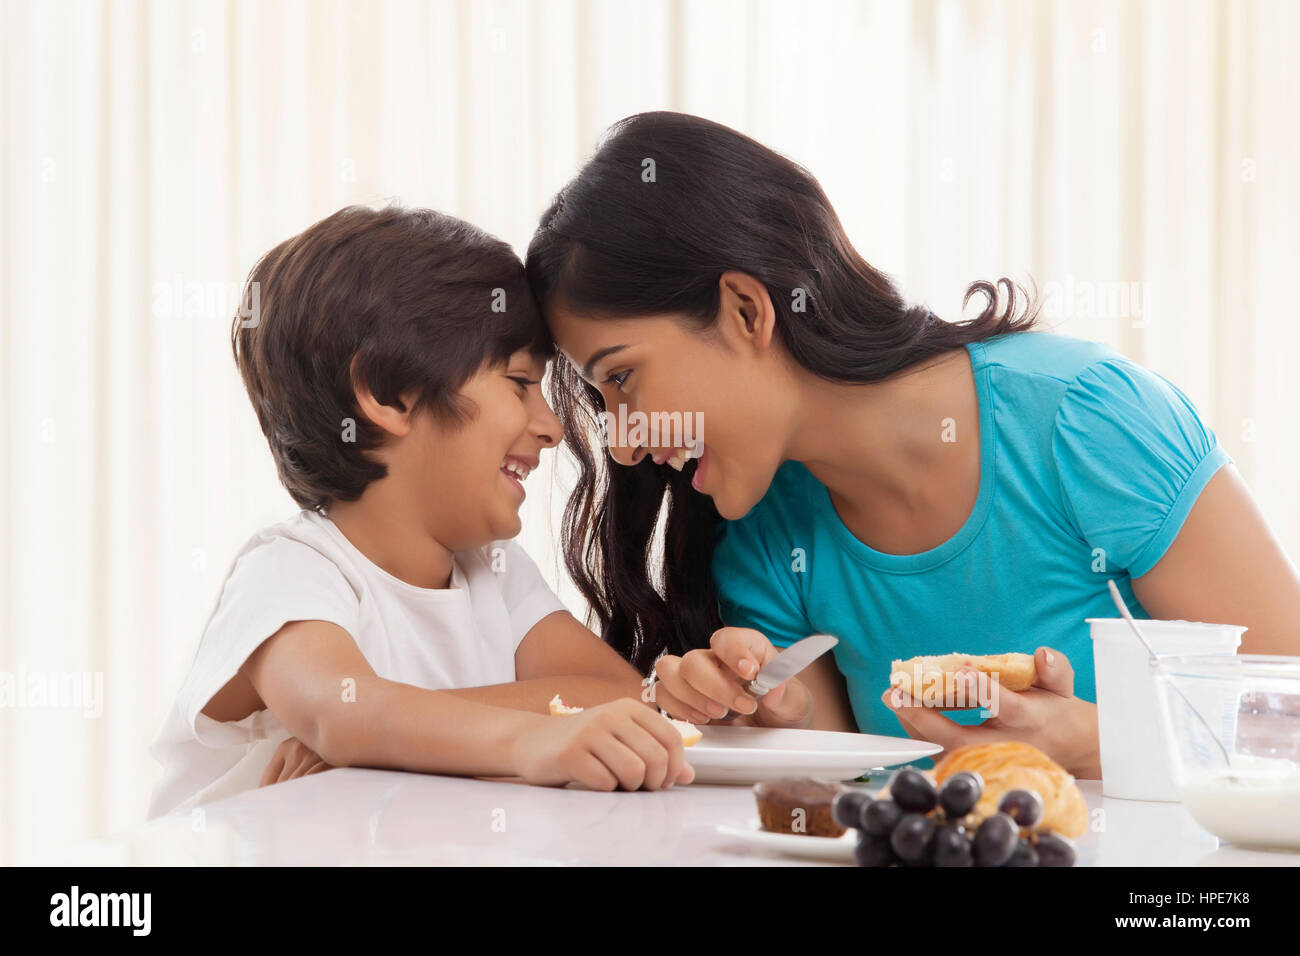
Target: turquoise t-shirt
x,y
1089,466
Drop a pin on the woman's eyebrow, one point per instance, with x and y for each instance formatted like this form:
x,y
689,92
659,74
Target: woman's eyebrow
x,y
597,356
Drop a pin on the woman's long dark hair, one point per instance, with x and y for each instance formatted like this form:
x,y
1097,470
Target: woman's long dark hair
x,y
666,205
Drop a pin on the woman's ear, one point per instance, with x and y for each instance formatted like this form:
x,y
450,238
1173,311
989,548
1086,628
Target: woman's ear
x,y
392,419
746,309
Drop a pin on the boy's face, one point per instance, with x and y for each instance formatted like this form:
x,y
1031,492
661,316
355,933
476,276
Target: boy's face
x,y
471,477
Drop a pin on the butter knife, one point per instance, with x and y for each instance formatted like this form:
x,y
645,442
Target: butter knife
x,y
786,664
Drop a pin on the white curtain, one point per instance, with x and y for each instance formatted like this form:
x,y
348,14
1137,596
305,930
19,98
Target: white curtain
x,y
1138,160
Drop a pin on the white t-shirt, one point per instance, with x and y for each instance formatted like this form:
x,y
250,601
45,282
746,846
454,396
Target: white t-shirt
x,y
304,569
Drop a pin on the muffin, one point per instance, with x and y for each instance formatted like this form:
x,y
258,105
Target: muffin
x,y
799,805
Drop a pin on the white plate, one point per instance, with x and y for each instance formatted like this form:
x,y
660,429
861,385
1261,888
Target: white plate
x,y
746,755
839,849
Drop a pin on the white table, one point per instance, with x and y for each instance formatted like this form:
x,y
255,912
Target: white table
x,y
350,816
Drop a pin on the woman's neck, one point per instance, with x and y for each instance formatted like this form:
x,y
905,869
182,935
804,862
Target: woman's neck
x,y
907,447
380,525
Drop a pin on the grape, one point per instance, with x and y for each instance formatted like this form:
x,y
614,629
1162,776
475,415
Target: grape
x,y
913,790
1024,855
848,806
960,793
1054,850
881,816
873,851
995,840
912,839
952,846
1023,806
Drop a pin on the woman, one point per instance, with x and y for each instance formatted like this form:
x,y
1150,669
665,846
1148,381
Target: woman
x,y
866,469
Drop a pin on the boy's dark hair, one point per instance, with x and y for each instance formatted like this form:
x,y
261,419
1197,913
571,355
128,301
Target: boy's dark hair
x,y
420,299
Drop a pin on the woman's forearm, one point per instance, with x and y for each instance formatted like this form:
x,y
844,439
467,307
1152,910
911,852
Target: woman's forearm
x,y
395,726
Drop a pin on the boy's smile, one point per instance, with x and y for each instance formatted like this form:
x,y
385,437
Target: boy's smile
x,y
510,423
515,469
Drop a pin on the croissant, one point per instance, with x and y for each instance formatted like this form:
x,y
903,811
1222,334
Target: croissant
x,y
1012,765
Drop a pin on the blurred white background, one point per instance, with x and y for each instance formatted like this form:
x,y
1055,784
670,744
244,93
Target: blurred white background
x,y
1138,160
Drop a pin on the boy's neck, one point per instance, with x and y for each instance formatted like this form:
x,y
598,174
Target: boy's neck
x,y
381,530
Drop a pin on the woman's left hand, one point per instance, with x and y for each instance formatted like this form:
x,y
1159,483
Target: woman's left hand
x,y
1047,716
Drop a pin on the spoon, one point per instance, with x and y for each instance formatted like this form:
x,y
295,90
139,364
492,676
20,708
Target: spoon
x,y
1124,612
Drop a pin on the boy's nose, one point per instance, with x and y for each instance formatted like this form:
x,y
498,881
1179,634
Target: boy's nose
x,y
547,428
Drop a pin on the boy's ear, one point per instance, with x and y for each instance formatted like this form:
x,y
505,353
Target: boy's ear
x,y
394,420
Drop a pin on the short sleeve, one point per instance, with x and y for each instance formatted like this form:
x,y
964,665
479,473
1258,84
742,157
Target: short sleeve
x,y
270,585
756,581
1132,455
528,598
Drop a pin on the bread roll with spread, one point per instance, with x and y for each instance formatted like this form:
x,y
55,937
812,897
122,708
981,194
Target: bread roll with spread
x,y
921,677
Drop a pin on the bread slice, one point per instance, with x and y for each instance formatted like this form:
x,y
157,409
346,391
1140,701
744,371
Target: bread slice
x,y
558,707
691,735
918,676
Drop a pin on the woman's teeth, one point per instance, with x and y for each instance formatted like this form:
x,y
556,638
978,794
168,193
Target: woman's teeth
x,y
519,471
680,457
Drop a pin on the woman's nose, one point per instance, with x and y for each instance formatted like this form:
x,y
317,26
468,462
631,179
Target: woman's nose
x,y
620,438
625,454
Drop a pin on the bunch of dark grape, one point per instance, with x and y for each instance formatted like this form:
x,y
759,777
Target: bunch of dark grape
x,y
920,824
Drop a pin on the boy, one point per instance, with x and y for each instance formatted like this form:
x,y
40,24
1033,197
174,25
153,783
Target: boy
x,y
395,366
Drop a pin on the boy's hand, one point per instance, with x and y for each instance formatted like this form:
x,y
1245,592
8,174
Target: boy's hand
x,y
292,759
622,743
705,683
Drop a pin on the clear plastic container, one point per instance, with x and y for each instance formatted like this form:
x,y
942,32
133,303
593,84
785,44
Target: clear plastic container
x,y
1252,799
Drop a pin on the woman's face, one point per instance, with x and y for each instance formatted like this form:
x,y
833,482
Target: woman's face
x,y
723,385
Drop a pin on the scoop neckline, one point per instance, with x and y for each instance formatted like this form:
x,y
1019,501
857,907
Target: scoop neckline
x,y
946,551
456,590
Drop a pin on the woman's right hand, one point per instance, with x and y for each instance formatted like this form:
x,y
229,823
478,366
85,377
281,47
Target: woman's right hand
x,y
621,743
705,683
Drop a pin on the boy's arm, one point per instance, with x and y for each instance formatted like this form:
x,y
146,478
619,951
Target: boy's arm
x,y
560,656
316,681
